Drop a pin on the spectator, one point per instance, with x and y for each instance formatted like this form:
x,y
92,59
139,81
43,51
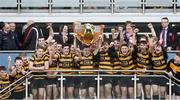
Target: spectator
x,y
13,29
14,35
64,36
1,29
167,34
30,36
9,39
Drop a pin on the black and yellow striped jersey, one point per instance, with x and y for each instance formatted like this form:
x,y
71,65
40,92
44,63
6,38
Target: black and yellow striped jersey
x,y
26,66
105,62
125,62
18,86
3,84
143,61
86,63
173,66
66,62
39,63
158,61
54,64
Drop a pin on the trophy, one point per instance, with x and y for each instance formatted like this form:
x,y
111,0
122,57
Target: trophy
x,y
87,33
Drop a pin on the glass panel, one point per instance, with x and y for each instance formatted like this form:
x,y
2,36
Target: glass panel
x,y
34,6
8,3
34,3
128,6
65,6
152,86
94,6
117,87
159,6
8,6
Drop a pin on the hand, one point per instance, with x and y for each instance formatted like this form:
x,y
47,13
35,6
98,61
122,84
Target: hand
x,y
160,41
136,30
49,25
9,59
65,38
169,48
150,26
111,44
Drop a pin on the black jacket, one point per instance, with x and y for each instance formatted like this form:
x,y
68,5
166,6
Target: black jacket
x,y
171,34
30,37
9,41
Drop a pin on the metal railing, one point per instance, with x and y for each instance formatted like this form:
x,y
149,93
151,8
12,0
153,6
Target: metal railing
x,y
89,6
98,78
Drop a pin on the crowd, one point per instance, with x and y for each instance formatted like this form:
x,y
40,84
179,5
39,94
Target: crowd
x,y
124,51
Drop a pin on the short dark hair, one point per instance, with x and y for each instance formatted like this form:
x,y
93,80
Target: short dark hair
x,y
2,68
124,44
165,18
143,42
2,24
66,45
17,58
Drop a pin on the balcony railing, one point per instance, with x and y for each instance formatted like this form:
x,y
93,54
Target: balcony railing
x,y
89,6
98,78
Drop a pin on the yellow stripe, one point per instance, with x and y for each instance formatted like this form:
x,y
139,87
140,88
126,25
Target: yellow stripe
x,y
53,68
63,60
87,72
141,65
173,66
116,63
86,67
106,63
124,68
178,69
19,90
157,58
160,67
143,56
106,67
126,58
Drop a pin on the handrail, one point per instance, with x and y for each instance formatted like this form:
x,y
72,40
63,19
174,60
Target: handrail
x,y
91,75
16,81
50,3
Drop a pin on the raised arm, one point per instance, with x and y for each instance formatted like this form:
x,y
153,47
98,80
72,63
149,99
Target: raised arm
x,y
151,27
51,32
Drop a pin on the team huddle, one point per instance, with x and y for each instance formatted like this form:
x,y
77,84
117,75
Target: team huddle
x,y
144,53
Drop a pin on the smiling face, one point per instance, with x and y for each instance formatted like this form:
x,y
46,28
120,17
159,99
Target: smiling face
x,y
66,50
158,49
124,50
86,51
143,47
19,63
40,52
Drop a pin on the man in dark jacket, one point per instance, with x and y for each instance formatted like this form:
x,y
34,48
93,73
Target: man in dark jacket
x,y
1,29
30,36
167,34
9,39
